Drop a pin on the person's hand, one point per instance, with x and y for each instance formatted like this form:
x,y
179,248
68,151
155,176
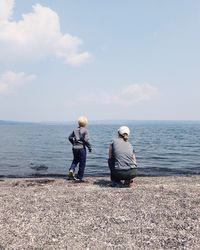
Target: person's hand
x,y
90,150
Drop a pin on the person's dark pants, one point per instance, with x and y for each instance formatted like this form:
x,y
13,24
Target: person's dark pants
x,y
122,174
79,158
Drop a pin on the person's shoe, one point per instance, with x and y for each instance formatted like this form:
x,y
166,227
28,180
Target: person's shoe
x,y
71,175
129,183
117,184
78,180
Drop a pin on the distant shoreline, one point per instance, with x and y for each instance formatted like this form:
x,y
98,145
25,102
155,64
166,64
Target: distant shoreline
x,y
102,122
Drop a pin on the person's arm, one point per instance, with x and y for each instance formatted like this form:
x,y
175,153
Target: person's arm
x,y
110,152
71,138
86,141
134,159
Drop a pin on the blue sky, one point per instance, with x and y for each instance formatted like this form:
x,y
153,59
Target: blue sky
x,y
108,60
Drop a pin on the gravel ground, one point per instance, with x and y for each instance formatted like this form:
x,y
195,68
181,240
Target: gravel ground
x,y
158,213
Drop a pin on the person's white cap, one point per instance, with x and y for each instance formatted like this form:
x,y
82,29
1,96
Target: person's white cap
x,y
123,130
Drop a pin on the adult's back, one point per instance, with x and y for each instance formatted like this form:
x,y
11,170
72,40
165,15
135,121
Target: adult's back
x,y
123,154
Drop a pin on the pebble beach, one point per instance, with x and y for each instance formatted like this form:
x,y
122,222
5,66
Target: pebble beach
x,y
55,213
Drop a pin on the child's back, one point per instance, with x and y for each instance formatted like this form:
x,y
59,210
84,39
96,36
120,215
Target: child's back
x,y
80,138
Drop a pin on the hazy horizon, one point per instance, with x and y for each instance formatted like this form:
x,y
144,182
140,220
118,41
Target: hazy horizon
x,y
119,121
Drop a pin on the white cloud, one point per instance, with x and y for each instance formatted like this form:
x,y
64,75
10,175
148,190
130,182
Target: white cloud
x,y
6,9
10,80
37,35
137,93
128,96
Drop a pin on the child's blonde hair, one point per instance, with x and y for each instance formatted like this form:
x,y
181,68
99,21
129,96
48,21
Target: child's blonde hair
x,y
82,121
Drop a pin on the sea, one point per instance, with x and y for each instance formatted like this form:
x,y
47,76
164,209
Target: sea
x,y
163,148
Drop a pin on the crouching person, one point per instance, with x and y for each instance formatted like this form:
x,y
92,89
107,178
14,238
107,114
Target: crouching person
x,y
122,161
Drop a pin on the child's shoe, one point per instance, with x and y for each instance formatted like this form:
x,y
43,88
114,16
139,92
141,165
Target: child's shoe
x,y
78,180
71,175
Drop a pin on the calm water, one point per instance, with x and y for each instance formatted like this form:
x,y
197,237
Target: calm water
x,y
162,148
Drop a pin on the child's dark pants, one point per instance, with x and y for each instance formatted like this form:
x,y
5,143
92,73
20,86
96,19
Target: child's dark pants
x,y
79,157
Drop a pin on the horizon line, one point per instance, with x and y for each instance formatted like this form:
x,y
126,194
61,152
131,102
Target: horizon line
x,y
101,120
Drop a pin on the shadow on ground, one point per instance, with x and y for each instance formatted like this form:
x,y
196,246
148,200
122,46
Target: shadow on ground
x,y
102,183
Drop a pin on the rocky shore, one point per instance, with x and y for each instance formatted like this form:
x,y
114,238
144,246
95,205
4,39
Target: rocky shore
x,y
50,213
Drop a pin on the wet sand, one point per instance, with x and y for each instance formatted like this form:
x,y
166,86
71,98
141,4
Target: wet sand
x,y
48,213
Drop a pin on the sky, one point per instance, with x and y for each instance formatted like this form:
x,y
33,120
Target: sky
x,y
108,60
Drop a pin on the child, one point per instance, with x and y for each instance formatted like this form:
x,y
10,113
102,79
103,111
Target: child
x,y
79,139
